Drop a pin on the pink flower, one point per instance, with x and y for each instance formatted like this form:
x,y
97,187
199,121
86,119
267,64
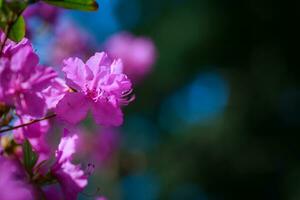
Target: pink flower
x,y
22,80
99,85
71,178
34,130
137,53
35,133
13,182
44,11
41,147
99,147
70,41
55,92
108,142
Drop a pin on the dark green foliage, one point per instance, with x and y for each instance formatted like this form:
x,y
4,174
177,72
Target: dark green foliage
x,y
29,156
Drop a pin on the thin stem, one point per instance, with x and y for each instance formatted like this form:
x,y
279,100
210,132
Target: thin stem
x,y
8,29
28,123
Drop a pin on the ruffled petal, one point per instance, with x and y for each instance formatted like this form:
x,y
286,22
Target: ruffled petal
x,y
99,59
42,78
66,147
72,180
77,74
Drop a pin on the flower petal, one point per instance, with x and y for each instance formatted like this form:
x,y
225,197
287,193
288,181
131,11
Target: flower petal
x,y
77,73
99,59
73,107
66,147
55,92
30,104
42,78
72,180
105,113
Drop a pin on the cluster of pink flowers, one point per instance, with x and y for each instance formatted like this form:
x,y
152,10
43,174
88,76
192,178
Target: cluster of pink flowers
x,y
35,97
31,94
19,183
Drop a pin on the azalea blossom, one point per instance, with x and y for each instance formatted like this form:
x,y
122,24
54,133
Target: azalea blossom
x,y
22,80
35,133
34,130
45,12
13,182
100,147
137,53
70,41
55,92
98,85
71,178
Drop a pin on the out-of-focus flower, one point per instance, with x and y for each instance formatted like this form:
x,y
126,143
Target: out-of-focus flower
x,y
137,53
13,181
34,130
107,142
42,147
99,85
100,147
71,41
35,133
71,178
55,92
45,12
22,80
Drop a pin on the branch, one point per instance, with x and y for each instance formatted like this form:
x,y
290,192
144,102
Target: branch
x,y
28,123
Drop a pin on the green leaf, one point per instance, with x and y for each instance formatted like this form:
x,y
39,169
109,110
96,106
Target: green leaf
x,y
17,31
1,2
29,156
85,5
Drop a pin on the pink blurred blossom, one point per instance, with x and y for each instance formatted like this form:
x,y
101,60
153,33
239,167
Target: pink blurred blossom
x,y
137,53
22,80
107,142
34,130
35,133
99,85
71,178
100,147
13,182
71,41
45,12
